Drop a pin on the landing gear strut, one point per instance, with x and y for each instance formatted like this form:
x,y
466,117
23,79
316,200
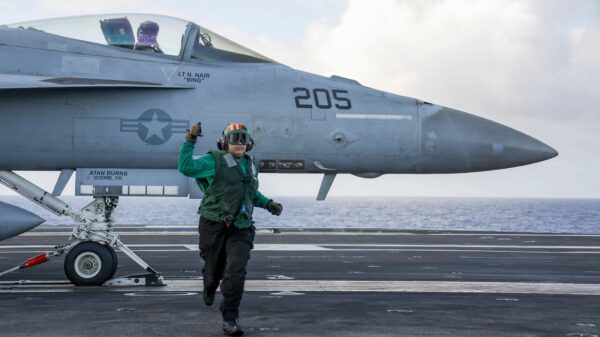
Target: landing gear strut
x,y
91,258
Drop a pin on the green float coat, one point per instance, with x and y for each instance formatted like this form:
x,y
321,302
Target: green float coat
x,y
230,186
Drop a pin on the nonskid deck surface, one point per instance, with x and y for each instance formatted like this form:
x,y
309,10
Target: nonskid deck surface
x,y
322,283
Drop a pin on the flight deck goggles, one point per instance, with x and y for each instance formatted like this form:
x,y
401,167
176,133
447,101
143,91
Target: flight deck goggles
x,y
237,138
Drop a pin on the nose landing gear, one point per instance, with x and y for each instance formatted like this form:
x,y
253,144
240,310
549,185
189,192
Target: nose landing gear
x,y
91,259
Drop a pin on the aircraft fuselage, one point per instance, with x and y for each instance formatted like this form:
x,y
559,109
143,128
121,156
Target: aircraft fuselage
x,y
102,107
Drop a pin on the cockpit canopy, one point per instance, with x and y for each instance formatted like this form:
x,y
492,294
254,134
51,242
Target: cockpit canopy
x,y
156,34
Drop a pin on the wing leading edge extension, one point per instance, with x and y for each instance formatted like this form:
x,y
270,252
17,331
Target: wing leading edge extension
x,y
28,82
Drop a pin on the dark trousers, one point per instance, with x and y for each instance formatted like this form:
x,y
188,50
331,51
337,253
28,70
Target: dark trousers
x,y
225,251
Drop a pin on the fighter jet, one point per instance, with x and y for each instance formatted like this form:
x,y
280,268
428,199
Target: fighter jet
x,y
111,96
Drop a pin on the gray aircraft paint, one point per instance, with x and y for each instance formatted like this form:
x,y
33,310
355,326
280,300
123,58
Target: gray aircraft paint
x,y
66,103
15,220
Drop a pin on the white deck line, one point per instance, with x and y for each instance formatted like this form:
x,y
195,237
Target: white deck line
x,y
183,247
456,246
154,233
346,286
426,286
308,232
337,246
189,249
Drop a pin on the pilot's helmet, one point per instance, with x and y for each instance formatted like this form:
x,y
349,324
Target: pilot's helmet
x,y
147,34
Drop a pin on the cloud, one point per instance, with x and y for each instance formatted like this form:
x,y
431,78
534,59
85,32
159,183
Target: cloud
x,y
27,10
459,52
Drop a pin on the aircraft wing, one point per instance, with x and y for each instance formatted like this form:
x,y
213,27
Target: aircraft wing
x,y
22,82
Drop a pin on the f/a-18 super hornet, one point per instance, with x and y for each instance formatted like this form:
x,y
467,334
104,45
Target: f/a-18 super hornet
x,y
111,96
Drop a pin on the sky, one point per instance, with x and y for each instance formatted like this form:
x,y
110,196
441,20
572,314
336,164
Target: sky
x,y
531,65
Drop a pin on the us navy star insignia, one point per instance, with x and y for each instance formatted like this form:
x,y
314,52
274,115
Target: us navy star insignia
x,y
154,126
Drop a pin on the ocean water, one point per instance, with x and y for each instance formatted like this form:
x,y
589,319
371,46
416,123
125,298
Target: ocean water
x,y
482,214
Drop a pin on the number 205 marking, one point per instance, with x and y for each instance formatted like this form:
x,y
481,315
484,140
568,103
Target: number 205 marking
x,y
322,99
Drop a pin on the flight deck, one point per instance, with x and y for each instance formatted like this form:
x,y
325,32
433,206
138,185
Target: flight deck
x,y
321,283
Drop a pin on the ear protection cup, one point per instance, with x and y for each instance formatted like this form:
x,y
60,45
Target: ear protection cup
x,y
221,143
250,145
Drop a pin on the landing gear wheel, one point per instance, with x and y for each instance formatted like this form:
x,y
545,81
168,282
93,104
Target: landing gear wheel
x,y
115,262
90,264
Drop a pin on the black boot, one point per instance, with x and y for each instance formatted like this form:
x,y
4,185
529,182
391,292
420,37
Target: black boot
x,y
232,328
209,297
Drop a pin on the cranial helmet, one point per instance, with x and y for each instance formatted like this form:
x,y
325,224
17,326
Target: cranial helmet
x,y
147,34
235,133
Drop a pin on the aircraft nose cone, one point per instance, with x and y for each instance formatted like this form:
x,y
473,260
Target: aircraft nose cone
x,y
550,152
455,141
15,220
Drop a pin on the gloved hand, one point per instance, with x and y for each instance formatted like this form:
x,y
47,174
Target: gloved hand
x,y
194,132
275,208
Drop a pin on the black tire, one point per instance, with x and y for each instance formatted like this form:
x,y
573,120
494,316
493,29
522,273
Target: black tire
x,y
115,262
90,264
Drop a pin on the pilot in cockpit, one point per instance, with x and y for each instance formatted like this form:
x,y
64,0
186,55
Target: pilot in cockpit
x,y
146,37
